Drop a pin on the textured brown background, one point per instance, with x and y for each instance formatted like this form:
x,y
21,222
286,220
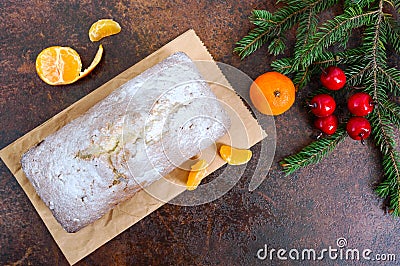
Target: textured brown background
x,y
310,209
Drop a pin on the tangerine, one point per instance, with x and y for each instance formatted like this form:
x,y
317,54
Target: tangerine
x,y
272,93
103,28
58,65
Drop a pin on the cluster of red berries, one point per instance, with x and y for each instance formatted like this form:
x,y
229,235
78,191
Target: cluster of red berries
x,y
323,106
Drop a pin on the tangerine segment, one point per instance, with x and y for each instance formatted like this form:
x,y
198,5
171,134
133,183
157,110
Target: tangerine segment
x,y
272,93
103,28
234,156
197,173
58,65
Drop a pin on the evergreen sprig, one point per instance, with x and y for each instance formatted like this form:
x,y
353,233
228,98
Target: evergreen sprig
x,y
314,152
324,43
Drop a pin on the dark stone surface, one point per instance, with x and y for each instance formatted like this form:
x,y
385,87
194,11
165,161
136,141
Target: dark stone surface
x,y
309,209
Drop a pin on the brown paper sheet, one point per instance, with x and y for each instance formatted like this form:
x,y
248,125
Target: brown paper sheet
x,y
76,246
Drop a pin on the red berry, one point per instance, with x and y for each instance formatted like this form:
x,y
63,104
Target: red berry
x,y
358,128
333,78
360,104
322,105
327,124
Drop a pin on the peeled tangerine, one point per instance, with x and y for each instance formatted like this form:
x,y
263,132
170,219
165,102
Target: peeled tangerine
x,y
58,65
197,173
235,156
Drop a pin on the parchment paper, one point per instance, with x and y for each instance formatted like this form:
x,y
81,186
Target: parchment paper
x,y
76,246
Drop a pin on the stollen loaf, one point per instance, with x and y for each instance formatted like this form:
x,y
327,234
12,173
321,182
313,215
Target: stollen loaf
x,y
136,135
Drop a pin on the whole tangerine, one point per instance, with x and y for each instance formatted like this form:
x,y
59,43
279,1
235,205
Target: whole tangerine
x,y
272,93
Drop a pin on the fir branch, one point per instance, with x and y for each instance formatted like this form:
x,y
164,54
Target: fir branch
x,y
262,18
332,31
392,78
395,4
282,20
286,17
283,65
307,26
393,112
390,187
374,42
277,46
393,32
301,78
350,56
382,132
375,34
313,153
360,3
356,74
256,38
